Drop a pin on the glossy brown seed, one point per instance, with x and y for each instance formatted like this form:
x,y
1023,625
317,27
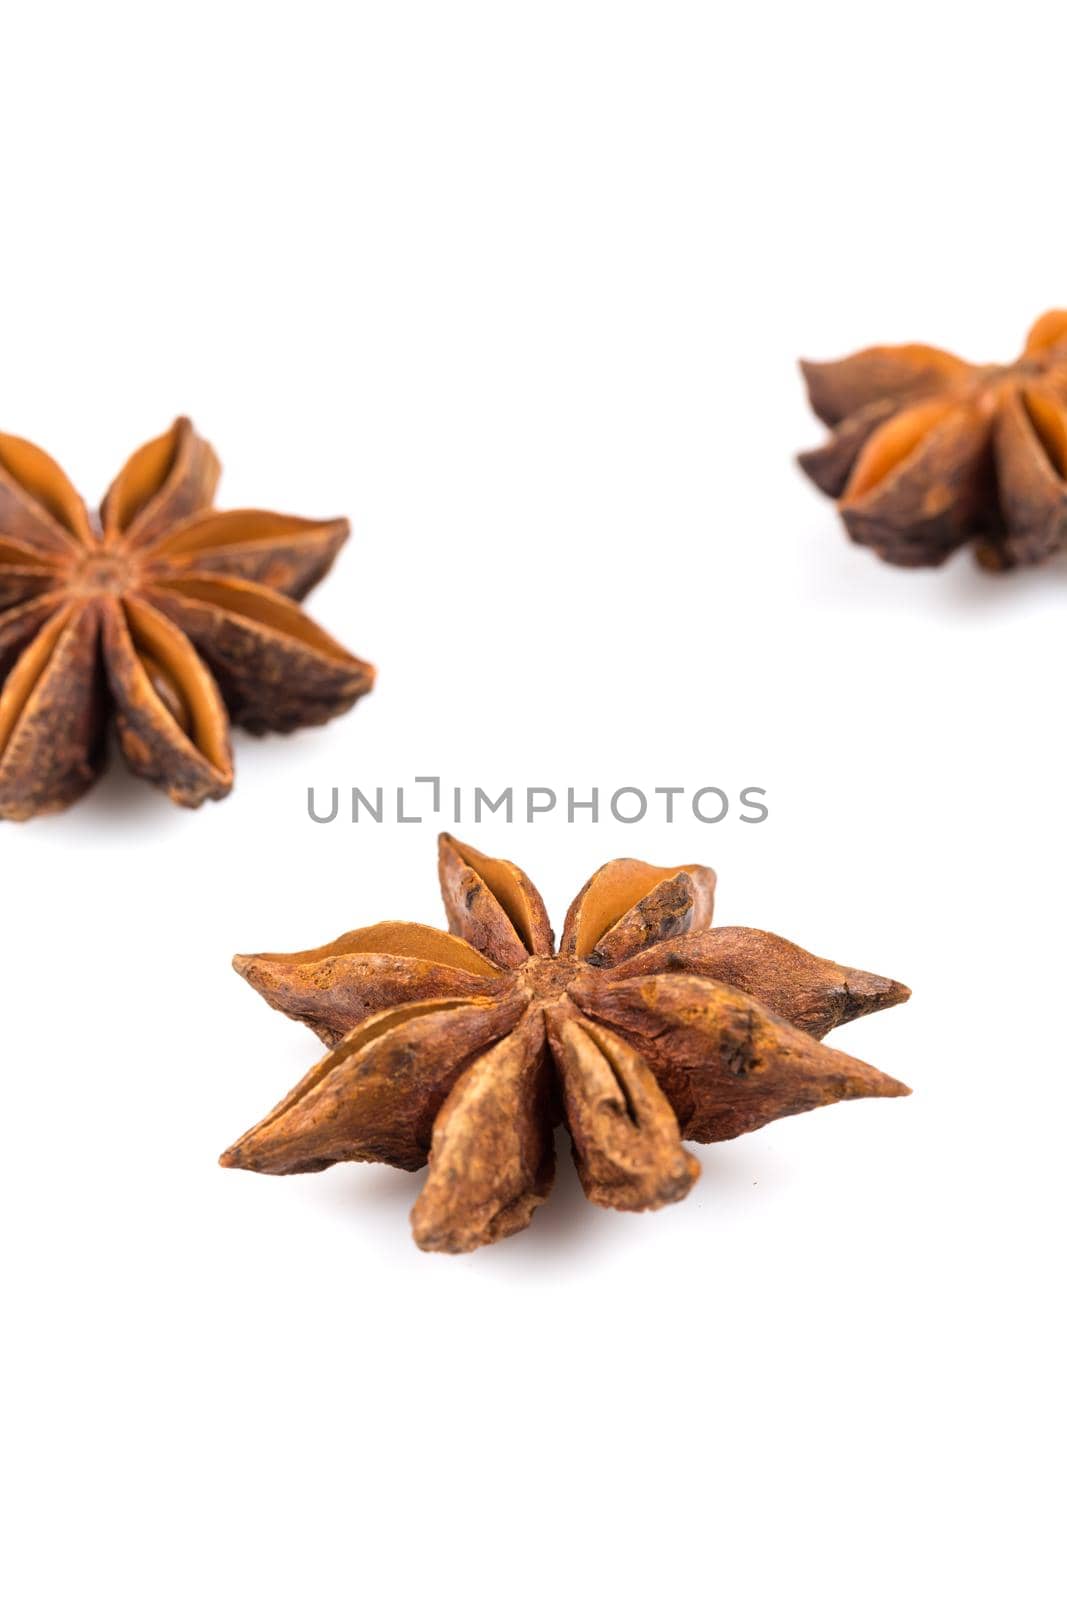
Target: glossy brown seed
x,y
466,1048
930,452
159,615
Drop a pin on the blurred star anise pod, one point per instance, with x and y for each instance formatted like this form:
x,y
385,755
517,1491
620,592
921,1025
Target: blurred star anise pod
x,y
465,1049
929,452
170,618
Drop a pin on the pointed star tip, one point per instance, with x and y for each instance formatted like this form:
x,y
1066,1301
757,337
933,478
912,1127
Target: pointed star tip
x,y
883,992
866,992
891,1088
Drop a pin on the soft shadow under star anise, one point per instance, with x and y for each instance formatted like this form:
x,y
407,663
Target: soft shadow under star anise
x,y
465,1049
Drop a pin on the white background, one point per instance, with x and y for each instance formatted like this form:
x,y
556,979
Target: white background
x,y
519,288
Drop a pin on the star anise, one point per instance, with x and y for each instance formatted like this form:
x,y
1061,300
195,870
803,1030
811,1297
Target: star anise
x,y
174,618
466,1048
929,452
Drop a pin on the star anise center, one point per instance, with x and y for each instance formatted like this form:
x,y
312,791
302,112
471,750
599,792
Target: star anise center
x,y
547,977
103,571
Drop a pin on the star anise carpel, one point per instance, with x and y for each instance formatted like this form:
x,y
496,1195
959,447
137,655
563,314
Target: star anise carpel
x,y
465,1049
930,452
160,613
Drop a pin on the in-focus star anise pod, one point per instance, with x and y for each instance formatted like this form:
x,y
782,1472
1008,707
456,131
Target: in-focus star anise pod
x,y
466,1048
929,452
170,617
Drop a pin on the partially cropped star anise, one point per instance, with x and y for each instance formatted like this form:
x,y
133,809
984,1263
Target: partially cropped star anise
x,y
930,452
467,1048
171,617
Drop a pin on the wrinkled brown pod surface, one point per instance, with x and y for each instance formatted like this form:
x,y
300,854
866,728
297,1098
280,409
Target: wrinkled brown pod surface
x,y
160,615
929,452
465,1049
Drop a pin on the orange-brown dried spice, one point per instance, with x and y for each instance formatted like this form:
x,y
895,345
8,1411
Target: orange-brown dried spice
x,y
465,1049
